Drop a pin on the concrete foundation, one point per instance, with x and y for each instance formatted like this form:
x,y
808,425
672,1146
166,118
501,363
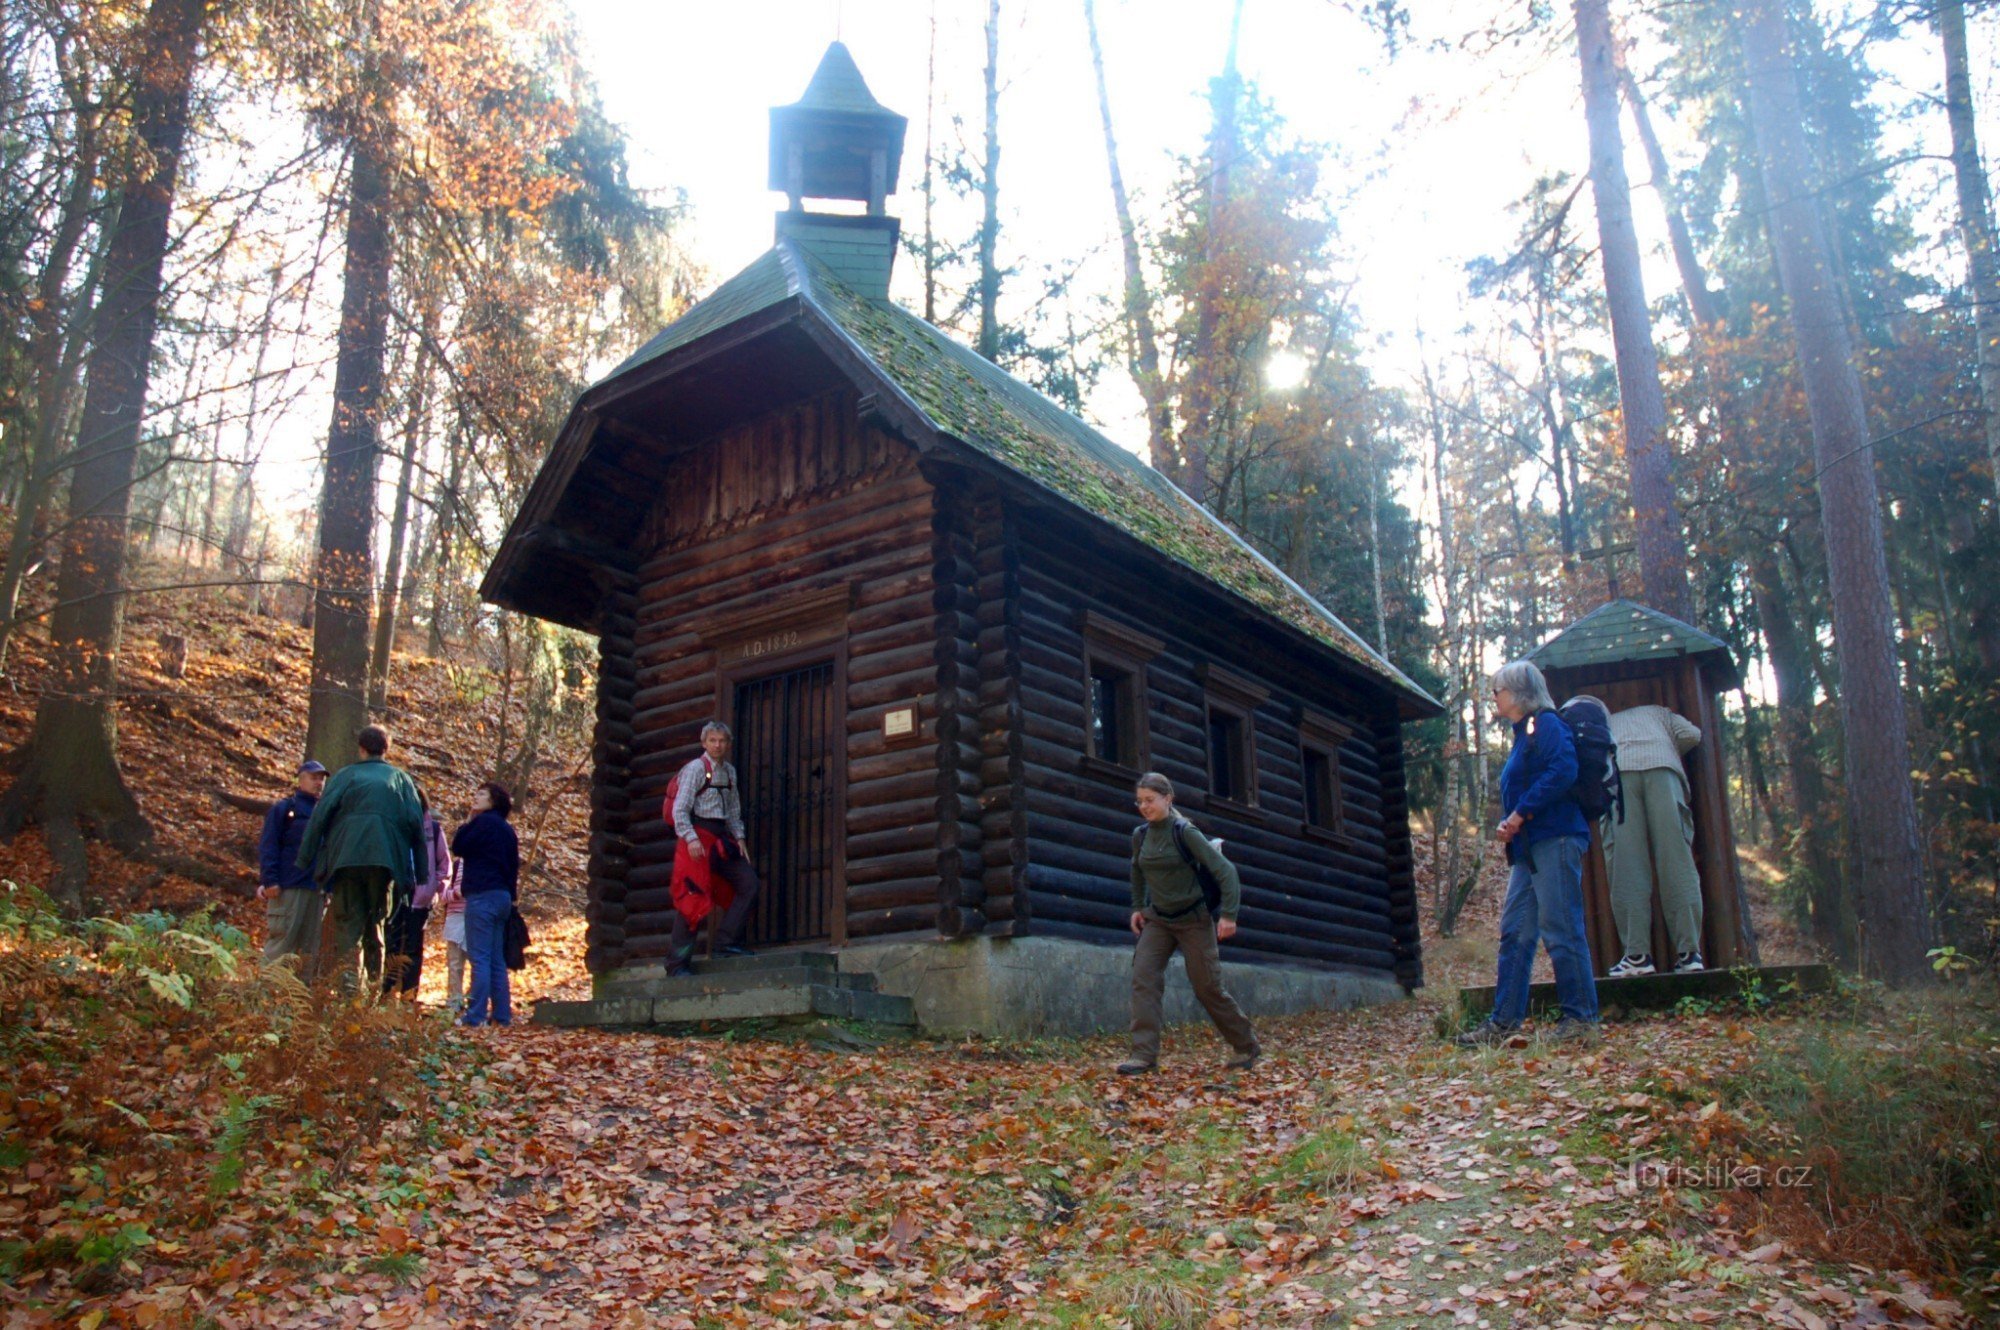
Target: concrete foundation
x,y
1023,987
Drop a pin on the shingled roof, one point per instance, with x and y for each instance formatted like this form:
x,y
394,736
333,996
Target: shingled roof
x,y
1624,631
964,397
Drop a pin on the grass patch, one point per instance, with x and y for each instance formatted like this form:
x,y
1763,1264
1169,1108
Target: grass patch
x,y
1896,1122
1168,1295
401,1267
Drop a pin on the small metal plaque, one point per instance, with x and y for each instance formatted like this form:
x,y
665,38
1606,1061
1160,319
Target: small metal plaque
x,y
900,723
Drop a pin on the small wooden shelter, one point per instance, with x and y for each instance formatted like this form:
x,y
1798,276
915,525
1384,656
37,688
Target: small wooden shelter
x,y
950,622
1629,655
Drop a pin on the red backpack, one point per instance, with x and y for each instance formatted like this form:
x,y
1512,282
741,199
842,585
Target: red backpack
x,y
674,788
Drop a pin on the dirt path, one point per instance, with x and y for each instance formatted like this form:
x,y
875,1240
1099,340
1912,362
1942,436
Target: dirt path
x,y
1364,1175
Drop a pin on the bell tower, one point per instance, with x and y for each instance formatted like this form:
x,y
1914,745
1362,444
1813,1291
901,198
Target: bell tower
x,y
838,142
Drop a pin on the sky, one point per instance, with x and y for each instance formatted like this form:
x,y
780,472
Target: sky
x,y
1427,150
1429,182
1430,147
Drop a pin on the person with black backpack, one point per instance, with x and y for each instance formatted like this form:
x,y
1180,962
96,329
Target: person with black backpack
x,y
1185,897
1546,836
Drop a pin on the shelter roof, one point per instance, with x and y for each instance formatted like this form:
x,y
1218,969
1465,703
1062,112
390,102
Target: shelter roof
x,y
1624,631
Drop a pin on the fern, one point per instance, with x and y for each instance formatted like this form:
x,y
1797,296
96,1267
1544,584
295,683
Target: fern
x,y
237,1119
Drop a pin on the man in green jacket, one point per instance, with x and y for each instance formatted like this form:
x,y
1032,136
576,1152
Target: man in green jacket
x,y
366,831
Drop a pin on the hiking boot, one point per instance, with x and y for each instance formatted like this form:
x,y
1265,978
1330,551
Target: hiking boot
x,y
736,949
1568,1030
1243,1061
1134,1067
1630,967
1689,962
679,964
1486,1035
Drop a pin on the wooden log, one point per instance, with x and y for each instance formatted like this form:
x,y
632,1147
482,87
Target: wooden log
x,y
903,689
649,900
902,505
649,925
877,923
895,894
889,867
893,840
1112,869
897,762
894,788
880,817
870,628
917,655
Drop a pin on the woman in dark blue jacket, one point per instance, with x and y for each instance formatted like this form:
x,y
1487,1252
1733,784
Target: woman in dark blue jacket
x,y
489,858
1546,836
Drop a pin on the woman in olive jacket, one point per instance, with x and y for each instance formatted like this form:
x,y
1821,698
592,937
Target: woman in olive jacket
x,y
1169,913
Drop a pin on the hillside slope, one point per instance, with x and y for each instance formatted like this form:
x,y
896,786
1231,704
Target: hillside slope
x,y
235,723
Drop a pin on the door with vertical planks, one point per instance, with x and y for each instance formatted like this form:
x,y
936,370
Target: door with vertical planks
x,y
786,754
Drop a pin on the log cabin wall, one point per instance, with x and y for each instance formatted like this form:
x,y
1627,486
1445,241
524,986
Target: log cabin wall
x,y
1340,897
610,804
800,536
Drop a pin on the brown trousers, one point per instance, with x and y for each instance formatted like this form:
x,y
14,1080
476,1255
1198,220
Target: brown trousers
x,y
1194,936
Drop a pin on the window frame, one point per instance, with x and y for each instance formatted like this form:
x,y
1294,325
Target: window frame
x,y
1235,697
1324,736
1110,644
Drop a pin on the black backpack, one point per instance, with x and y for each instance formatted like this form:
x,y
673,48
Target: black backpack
x,y
1211,890
1598,788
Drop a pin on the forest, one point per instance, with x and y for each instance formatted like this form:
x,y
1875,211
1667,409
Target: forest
x,y
297,295
409,234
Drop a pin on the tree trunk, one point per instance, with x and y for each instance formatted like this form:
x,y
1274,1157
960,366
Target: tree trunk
x,y
930,175
1700,301
69,776
1198,428
444,527
1975,220
344,572
1144,358
1829,903
57,344
399,526
1657,525
989,189
1895,919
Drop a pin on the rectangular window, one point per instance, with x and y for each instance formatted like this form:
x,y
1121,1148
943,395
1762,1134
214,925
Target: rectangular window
x,y
1232,704
1320,738
1110,708
1114,677
1228,760
1322,782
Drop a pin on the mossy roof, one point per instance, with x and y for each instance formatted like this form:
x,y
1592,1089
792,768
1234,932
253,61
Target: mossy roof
x,y
1625,632
968,398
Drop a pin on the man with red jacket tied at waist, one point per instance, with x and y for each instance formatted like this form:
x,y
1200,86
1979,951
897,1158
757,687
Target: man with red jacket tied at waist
x,y
711,868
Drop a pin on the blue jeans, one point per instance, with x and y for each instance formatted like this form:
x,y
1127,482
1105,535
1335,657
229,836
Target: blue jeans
x,y
1545,900
486,915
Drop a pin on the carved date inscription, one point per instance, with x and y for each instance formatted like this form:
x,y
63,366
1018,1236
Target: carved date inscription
x,y
778,642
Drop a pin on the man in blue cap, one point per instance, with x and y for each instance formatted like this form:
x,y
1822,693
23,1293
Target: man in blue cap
x,y
293,902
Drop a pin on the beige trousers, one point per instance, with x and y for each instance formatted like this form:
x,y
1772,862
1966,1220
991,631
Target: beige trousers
x,y
1654,849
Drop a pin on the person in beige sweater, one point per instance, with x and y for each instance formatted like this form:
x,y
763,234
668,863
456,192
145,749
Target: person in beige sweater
x,y
1653,846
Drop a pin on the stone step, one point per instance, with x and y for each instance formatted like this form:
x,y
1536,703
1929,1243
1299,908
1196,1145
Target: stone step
x,y
808,999
659,985
1757,985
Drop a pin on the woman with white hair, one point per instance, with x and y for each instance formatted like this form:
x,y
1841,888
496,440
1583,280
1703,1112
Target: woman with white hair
x,y
1546,836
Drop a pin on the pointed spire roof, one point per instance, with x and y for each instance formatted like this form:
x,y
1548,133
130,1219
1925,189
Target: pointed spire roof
x,y
837,85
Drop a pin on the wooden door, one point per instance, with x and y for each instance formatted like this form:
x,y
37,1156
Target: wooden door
x,y
785,756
